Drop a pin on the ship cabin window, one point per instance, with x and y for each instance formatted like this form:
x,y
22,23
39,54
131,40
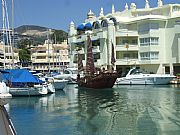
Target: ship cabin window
x,y
67,72
136,71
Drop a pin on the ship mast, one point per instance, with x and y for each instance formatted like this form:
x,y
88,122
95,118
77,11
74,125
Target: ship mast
x,y
6,33
3,30
12,46
90,68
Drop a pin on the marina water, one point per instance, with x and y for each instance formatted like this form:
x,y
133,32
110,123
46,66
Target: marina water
x,y
122,110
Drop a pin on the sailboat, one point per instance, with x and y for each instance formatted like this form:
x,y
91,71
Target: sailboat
x,y
92,78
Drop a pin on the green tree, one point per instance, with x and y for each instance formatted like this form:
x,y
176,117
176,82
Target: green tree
x,y
24,43
24,53
59,36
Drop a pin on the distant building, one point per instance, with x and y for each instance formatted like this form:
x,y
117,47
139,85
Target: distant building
x,y
8,58
148,38
50,57
8,37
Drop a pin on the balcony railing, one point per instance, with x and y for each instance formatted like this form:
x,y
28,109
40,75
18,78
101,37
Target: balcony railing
x,y
131,47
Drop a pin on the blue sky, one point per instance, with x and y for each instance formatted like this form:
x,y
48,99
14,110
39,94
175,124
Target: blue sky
x,y
59,13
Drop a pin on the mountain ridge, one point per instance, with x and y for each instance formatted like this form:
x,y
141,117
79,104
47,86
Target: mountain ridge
x,y
39,33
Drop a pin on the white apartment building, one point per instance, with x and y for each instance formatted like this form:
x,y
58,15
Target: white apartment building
x,y
50,57
8,58
148,38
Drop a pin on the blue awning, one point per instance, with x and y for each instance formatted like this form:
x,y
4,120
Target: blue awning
x,y
88,25
80,27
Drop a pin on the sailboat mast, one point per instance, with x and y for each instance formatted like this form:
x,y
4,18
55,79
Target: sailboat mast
x,y
48,53
3,30
12,46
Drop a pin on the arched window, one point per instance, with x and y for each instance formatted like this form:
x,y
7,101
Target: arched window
x,y
104,23
114,20
96,25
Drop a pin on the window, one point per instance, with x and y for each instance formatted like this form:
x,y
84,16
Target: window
x,y
144,41
149,55
97,56
134,41
104,23
154,55
145,56
149,41
41,57
148,26
154,41
96,25
125,41
175,8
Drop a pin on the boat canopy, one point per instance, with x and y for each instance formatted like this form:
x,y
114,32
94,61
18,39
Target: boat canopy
x,y
20,76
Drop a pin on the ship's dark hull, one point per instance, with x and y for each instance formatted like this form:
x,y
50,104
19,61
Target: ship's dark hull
x,y
99,81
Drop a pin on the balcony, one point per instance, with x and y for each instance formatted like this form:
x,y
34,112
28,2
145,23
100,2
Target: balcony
x,y
125,33
130,47
127,61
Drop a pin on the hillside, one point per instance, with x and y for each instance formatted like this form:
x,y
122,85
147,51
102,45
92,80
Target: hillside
x,y
39,34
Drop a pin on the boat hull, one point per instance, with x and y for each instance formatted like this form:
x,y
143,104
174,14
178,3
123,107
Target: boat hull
x,y
100,81
6,125
50,88
60,84
144,81
29,91
4,91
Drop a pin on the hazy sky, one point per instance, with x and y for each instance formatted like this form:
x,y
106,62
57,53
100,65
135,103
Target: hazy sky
x,y
59,13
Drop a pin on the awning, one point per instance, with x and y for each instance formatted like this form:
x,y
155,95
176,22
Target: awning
x,y
80,27
88,25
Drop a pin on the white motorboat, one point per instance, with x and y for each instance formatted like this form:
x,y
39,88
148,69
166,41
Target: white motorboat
x,y
50,86
135,76
69,74
59,84
22,83
4,89
35,90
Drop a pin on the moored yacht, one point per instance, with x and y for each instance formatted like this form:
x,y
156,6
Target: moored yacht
x,y
4,89
50,86
58,83
22,83
135,76
69,74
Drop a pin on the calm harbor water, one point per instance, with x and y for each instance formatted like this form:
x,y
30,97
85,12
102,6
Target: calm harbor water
x,y
122,110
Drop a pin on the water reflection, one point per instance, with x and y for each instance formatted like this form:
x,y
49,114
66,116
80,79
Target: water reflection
x,y
125,110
